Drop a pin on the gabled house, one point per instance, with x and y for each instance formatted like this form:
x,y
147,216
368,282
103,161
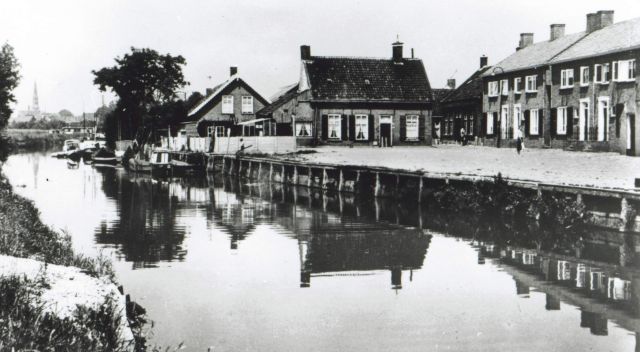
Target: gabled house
x,y
462,107
290,117
228,109
352,100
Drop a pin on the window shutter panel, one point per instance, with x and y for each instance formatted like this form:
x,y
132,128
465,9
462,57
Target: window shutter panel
x,y
352,128
554,125
483,128
372,128
540,122
343,127
496,127
569,121
527,116
421,127
403,127
325,127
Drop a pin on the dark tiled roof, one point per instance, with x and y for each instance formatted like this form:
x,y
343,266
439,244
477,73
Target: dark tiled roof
x,y
365,79
278,101
470,89
438,96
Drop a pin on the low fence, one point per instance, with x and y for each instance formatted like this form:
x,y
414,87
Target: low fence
x,y
264,144
230,145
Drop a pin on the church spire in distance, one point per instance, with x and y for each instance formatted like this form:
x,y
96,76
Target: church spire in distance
x,y
35,107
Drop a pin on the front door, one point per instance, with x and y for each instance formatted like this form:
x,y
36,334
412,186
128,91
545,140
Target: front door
x,y
583,119
603,118
631,134
385,131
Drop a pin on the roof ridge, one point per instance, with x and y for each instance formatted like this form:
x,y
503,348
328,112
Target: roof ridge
x,y
364,58
586,34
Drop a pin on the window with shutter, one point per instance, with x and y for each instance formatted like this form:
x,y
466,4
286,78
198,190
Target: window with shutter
x,y
534,121
412,132
362,128
561,120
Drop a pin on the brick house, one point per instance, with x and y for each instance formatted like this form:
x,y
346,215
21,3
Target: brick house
x,y
437,115
575,91
594,88
345,100
462,108
228,109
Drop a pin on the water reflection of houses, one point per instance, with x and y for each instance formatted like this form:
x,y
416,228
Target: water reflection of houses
x,y
146,230
602,291
331,240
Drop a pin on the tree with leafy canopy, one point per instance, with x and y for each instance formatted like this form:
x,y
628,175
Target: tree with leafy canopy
x,y
9,79
144,81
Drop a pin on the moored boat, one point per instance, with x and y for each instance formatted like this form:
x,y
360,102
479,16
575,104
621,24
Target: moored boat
x,y
105,157
160,162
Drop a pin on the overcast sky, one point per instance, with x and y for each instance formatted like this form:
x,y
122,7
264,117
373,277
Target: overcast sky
x,y
59,42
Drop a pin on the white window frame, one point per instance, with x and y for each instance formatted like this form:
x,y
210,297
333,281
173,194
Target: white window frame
x,y
602,77
504,87
584,76
531,85
583,119
624,70
517,117
493,90
534,122
415,130
210,130
306,125
516,83
332,118
362,127
490,118
603,123
566,78
561,120
227,104
247,104
220,131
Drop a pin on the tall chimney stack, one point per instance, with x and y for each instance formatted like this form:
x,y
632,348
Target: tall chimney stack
x,y
557,31
526,39
606,18
451,83
233,70
484,61
593,22
305,52
397,51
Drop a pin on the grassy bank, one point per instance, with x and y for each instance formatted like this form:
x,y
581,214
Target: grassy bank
x,y
25,325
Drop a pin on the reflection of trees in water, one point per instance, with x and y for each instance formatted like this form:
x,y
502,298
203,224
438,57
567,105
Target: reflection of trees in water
x,y
146,231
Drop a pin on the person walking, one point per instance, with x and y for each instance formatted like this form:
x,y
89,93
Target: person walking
x,y
463,136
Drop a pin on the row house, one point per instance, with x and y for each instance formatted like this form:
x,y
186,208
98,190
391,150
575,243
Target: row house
x,y
574,91
462,107
594,88
229,109
351,100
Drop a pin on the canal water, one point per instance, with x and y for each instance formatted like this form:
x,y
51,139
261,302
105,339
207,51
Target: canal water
x,y
254,267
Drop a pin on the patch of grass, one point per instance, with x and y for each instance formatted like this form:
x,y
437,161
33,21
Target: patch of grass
x,y
26,326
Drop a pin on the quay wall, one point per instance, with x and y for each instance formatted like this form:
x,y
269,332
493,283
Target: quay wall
x,y
611,209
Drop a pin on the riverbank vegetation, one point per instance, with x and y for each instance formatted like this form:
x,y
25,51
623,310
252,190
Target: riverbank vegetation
x,y
507,214
25,325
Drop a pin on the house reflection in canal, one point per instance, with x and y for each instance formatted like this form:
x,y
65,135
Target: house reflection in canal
x,y
604,292
330,243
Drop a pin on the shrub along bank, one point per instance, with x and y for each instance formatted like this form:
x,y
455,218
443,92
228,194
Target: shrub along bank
x,y
25,323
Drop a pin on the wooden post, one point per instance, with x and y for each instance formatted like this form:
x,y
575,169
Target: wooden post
x,y
341,182
309,180
224,162
260,171
283,177
397,188
420,189
627,215
270,172
295,175
250,169
325,178
377,191
232,169
356,186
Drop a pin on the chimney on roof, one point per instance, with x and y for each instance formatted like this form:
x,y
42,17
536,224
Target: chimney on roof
x,y
397,51
593,22
305,52
484,61
233,70
451,83
606,18
526,39
412,53
557,31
